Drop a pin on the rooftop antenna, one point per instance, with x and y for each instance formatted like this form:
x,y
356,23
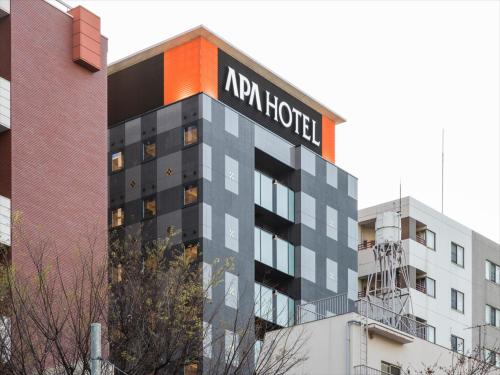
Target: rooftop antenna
x,y
400,210
442,171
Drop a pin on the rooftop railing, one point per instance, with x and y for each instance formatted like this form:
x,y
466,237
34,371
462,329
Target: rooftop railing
x,y
338,305
365,370
321,309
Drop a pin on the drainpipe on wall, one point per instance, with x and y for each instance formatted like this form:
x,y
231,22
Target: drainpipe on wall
x,y
349,363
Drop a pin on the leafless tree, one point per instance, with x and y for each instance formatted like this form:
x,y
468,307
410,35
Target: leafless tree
x,y
152,303
47,306
157,315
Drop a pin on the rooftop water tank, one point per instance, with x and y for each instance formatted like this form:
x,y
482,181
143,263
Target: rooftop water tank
x,y
387,227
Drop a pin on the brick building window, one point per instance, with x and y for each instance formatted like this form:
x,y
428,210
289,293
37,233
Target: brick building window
x,y
190,135
117,217
117,161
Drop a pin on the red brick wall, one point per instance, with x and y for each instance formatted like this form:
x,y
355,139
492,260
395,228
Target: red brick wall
x,y
58,132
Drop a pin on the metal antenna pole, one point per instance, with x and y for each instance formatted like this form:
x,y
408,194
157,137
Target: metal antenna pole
x,y
95,349
442,171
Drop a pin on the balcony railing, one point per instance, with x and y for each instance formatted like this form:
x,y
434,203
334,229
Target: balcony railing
x,y
366,245
321,309
421,286
365,370
421,240
400,322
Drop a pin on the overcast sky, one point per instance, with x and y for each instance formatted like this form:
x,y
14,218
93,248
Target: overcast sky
x,y
398,72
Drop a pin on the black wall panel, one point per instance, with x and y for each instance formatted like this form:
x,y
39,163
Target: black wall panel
x,y
253,113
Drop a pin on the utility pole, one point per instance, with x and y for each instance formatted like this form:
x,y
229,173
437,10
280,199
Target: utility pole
x,y
480,344
95,349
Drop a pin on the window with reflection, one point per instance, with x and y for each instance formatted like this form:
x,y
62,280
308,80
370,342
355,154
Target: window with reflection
x,y
149,208
148,150
117,217
190,135
117,161
191,252
190,194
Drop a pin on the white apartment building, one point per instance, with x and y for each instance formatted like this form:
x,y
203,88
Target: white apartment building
x,y
353,344
438,253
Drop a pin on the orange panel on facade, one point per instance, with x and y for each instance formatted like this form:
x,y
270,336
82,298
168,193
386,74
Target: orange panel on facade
x,y
328,143
189,69
86,38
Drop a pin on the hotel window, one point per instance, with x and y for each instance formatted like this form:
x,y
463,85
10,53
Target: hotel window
x,y
263,302
191,369
190,194
231,290
231,343
148,150
389,368
191,252
457,254
117,161
207,280
457,300
492,316
352,233
117,217
149,208
117,274
457,344
207,340
492,272
190,135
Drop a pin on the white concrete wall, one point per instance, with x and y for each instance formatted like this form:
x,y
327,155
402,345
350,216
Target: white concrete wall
x,y
326,347
438,266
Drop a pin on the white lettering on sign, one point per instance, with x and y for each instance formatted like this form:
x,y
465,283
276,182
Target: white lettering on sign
x,y
278,110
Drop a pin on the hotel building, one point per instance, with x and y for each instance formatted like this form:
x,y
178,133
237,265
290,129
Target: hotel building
x,y
205,140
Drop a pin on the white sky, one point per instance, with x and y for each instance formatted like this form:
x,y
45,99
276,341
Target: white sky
x,y
399,72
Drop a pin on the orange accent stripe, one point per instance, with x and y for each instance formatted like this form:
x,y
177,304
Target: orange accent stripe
x,y
328,139
189,69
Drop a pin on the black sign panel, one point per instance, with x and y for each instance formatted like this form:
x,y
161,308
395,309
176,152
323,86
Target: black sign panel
x,y
268,105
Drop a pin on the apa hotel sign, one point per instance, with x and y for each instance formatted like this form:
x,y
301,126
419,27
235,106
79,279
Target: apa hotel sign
x,y
265,103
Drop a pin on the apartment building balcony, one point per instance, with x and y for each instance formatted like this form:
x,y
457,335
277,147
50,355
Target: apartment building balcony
x,y
4,8
5,221
366,245
4,102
